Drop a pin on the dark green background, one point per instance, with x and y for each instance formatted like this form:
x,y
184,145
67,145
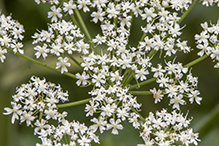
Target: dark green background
x,y
16,71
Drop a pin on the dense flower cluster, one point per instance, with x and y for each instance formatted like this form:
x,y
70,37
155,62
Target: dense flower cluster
x,y
36,103
207,41
10,36
68,40
36,99
166,129
171,81
111,66
65,134
114,104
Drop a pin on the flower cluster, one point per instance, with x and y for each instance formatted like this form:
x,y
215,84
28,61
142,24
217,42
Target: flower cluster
x,y
112,67
35,100
65,134
165,129
207,41
68,40
10,36
36,103
171,80
114,104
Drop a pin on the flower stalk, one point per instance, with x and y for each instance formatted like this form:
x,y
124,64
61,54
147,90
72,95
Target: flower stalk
x,y
73,103
41,64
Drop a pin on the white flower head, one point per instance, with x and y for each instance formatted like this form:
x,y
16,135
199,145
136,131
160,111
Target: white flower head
x,y
63,64
55,13
114,125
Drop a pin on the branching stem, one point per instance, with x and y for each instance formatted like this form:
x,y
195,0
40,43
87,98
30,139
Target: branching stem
x,y
196,61
187,11
140,92
42,64
73,103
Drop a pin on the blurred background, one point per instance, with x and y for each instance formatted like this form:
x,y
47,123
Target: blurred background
x,y
16,71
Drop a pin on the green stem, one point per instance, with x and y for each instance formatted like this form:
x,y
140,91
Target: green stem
x,y
142,83
73,59
154,79
196,61
41,115
82,24
208,122
140,116
73,103
84,28
42,64
187,11
128,78
152,53
74,20
140,92
143,36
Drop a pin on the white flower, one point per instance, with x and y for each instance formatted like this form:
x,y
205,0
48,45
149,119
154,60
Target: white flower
x,y
99,123
5,41
170,50
16,46
176,100
158,96
161,135
69,7
134,120
55,13
194,96
99,15
158,71
63,64
193,137
84,141
2,56
141,74
184,138
99,39
82,79
202,37
82,47
112,11
91,108
107,110
16,111
115,77
173,130
149,14
41,51
41,125
122,113
56,49
215,53
98,80
125,20
83,4
115,125
51,113
27,117
204,49
171,90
